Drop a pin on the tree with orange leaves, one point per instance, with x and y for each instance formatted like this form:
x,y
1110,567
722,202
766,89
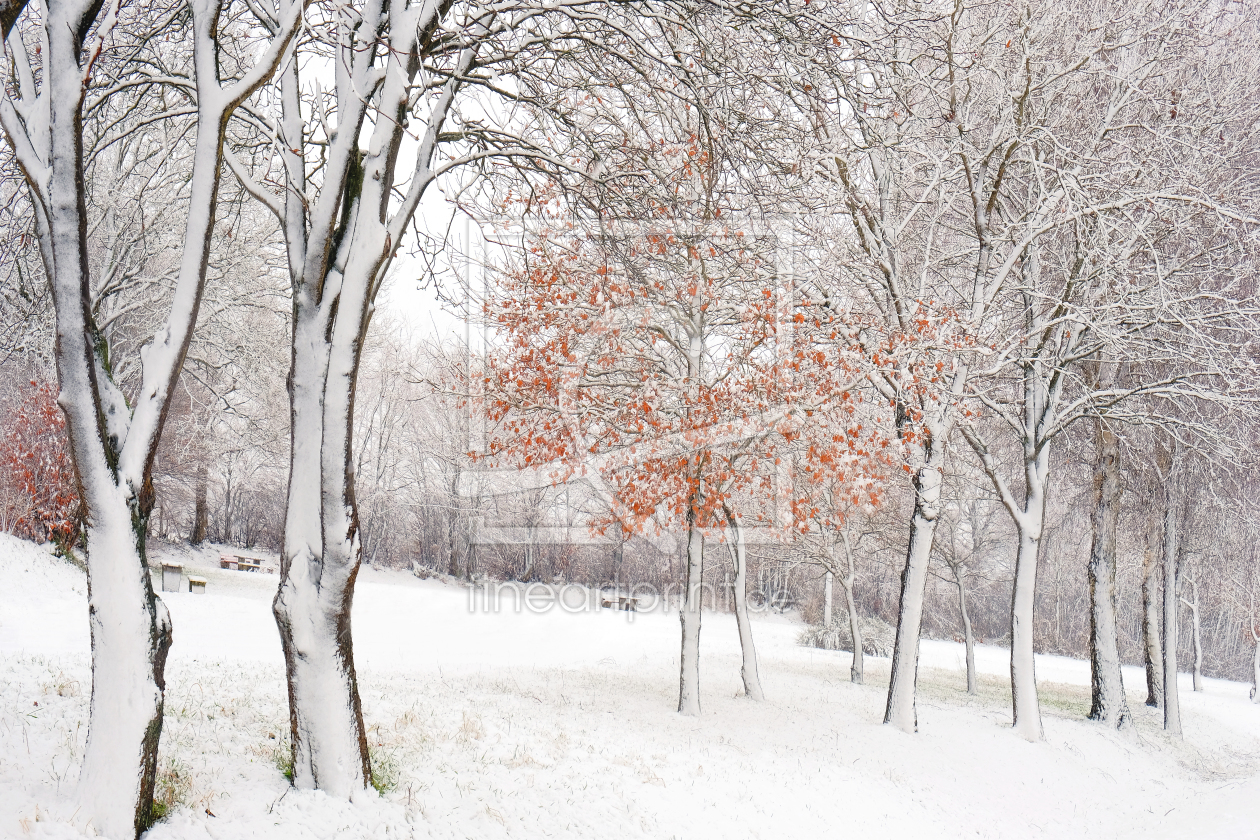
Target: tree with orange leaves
x,y
667,360
652,338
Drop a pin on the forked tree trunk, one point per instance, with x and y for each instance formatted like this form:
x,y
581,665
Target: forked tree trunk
x,y
114,443
339,248
130,627
1172,538
1152,645
322,551
689,617
748,667
900,710
1029,518
1109,704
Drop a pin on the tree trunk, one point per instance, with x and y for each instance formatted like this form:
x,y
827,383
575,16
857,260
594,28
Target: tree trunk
x,y
748,666
827,579
527,561
113,445
1172,536
689,617
857,671
1152,646
1196,630
201,509
969,638
618,557
1025,708
1109,704
318,570
226,536
1255,671
131,636
900,711
454,537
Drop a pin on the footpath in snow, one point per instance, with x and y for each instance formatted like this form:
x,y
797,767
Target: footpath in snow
x,y
491,725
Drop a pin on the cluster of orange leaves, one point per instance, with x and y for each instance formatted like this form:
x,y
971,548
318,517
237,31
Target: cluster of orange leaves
x,y
585,377
36,474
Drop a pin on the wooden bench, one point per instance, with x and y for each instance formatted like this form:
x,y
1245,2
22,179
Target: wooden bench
x,y
243,564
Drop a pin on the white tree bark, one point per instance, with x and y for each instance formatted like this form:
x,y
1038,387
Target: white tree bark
x,y
689,618
857,670
1152,644
1255,667
1196,629
900,710
969,638
1109,704
341,241
827,582
1039,403
1027,712
1172,546
748,667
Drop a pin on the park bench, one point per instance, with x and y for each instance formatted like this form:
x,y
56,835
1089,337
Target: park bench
x,y
243,564
619,602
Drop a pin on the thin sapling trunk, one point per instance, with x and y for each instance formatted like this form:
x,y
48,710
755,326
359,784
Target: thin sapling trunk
x,y
1172,538
969,638
689,617
748,667
1152,645
857,671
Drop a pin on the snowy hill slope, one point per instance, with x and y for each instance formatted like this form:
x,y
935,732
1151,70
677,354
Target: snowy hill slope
x,y
562,725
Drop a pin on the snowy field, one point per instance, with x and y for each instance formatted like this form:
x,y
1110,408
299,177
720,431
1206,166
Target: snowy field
x,y
562,725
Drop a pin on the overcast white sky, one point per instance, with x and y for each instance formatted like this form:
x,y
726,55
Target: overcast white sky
x,y
410,295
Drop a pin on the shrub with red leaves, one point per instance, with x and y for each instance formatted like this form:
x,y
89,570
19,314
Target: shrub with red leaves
x,y
37,489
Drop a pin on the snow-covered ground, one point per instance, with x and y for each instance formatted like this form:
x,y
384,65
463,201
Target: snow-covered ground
x,y
562,725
